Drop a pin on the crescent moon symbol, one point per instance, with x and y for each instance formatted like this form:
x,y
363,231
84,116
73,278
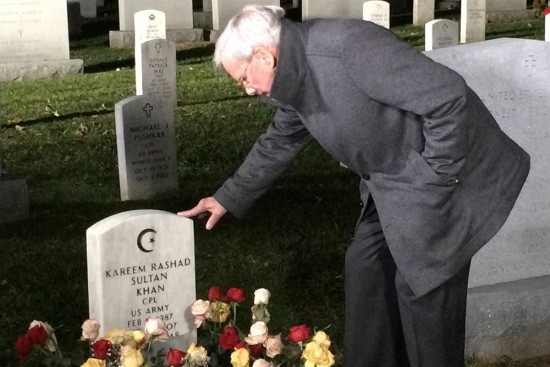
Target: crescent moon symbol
x,y
140,237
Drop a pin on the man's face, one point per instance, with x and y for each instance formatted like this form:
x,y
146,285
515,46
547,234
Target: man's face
x,y
256,75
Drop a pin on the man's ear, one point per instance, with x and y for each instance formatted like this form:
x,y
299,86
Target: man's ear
x,y
265,56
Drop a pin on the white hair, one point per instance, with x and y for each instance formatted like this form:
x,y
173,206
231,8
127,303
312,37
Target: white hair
x,y
253,26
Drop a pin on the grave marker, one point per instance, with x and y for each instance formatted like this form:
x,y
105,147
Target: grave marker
x,y
423,11
146,145
223,10
440,33
141,264
377,12
150,25
352,9
547,28
472,21
34,40
509,293
158,69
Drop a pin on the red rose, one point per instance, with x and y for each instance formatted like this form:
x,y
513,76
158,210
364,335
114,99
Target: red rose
x,y
23,346
235,295
37,334
175,357
229,338
546,11
215,294
298,333
101,348
255,350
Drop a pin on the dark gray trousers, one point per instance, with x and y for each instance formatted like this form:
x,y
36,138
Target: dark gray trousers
x,y
386,324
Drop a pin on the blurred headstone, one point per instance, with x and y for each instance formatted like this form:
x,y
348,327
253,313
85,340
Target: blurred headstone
x,y
472,21
440,33
158,69
423,11
377,12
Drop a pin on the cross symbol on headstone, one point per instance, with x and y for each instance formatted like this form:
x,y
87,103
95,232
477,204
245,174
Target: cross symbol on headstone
x,y
445,26
148,109
152,17
20,32
378,7
530,64
158,46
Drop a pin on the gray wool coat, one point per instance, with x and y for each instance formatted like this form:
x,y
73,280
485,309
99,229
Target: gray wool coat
x,y
442,174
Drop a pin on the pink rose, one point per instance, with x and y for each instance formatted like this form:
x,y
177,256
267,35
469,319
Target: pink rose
x,y
201,310
273,345
90,330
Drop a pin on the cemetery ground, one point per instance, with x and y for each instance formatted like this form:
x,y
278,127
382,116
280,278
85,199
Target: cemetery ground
x,y
60,135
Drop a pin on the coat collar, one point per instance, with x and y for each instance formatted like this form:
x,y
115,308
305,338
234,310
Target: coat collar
x,y
291,65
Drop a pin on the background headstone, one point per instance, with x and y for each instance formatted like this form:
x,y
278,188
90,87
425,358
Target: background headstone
x,y
158,69
472,21
179,21
440,33
150,25
34,40
141,264
377,12
509,294
88,8
423,11
223,10
352,9
146,145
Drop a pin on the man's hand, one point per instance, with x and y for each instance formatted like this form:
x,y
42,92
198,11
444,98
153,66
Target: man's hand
x,y
209,204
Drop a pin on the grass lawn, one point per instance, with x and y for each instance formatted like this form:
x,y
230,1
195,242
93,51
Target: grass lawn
x,y
60,134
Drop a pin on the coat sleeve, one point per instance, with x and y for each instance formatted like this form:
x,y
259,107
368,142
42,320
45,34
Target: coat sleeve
x,y
392,72
272,153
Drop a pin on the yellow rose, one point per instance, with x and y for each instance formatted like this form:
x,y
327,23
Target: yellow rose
x,y
196,356
132,358
317,355
240,358
220,311
139,337
92,362
322,338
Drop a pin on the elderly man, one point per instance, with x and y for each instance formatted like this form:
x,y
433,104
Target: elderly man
x,y
438,177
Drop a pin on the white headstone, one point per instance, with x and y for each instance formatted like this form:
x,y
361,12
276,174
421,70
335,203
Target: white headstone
x,y
146,145
206,5
506,5
179,13
88,8
472,21
352,9
150,25
141,264
223,10
440,33
377,12
547,28
34,30
512,78
158,69
423,11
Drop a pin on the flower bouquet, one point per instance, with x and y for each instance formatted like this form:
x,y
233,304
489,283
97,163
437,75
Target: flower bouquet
x,y
221,342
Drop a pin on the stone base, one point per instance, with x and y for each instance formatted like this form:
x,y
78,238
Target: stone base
x,y
14,199
202,19
509,319
126,39
39,69
496,15
214,35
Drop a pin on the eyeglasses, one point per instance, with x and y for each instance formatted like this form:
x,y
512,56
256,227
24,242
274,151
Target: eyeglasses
x,y
243,81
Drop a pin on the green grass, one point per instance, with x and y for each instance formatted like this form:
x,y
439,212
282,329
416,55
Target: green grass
x,y
60,134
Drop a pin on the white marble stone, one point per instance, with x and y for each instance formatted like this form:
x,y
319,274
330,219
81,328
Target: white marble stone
x,y
146,146
223,10
472,20
377,12
179,13
150,24
547,28
352,9
512,78
33,31
141,264
440,33
158,69
423,11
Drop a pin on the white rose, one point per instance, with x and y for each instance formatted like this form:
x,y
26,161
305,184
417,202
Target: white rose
x,y
258,333
155,327
261,363
261,295
201,310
